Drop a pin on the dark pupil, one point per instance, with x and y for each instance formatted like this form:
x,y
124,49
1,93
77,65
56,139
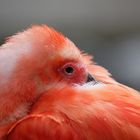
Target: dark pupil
x,y
69,70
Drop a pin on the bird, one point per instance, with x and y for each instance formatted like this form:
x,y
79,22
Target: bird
x,y
49,89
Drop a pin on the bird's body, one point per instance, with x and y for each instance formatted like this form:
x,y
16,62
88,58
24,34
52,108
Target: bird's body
x,y
101,112
43,92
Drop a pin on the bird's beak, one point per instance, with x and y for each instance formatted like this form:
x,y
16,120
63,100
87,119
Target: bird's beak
x,y
90,78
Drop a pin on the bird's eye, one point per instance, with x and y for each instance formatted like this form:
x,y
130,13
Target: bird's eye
x,y
69,70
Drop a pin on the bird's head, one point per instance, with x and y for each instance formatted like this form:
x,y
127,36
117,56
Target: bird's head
x,y
45,57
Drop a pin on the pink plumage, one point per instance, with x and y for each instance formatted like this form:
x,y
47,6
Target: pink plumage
x,y
50,90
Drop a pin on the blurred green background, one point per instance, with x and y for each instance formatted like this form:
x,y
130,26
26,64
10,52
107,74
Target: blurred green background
x,y
107,29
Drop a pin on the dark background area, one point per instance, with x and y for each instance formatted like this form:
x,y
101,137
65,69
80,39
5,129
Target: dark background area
x,y
107,29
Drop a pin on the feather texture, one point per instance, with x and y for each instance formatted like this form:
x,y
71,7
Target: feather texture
x,y
95,113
